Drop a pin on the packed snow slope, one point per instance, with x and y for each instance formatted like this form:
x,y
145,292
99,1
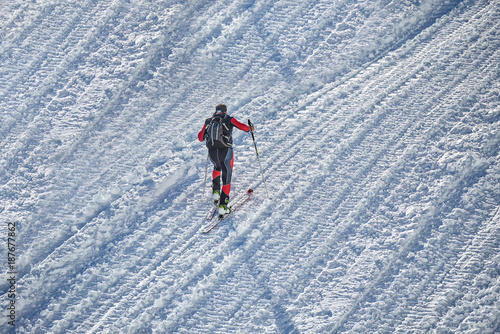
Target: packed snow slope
x,y
377,124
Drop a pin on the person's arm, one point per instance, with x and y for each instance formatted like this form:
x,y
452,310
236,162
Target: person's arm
x,y
240,125
201,134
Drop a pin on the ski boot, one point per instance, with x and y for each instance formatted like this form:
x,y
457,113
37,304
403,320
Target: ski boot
x,y
224,209
216,196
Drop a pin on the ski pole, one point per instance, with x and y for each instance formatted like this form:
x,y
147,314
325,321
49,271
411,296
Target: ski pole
x,y
258,159
205,180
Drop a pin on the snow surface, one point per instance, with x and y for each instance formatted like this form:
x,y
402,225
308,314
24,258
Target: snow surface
x,y
377,124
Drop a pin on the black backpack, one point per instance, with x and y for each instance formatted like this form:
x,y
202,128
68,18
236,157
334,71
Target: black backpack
x,y
217,132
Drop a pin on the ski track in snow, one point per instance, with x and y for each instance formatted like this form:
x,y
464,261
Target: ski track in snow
x,y
377,125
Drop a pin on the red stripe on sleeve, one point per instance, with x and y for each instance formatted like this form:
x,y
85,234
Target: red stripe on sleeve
x,y
201,133
240,125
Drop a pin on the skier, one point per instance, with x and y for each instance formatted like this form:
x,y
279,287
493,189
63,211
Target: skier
x,y
217,132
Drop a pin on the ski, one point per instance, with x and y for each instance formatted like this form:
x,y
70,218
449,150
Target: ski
x,y
213,210
235,206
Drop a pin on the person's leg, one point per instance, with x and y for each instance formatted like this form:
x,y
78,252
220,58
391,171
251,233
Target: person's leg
x,y
216,173
216,179
227,158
